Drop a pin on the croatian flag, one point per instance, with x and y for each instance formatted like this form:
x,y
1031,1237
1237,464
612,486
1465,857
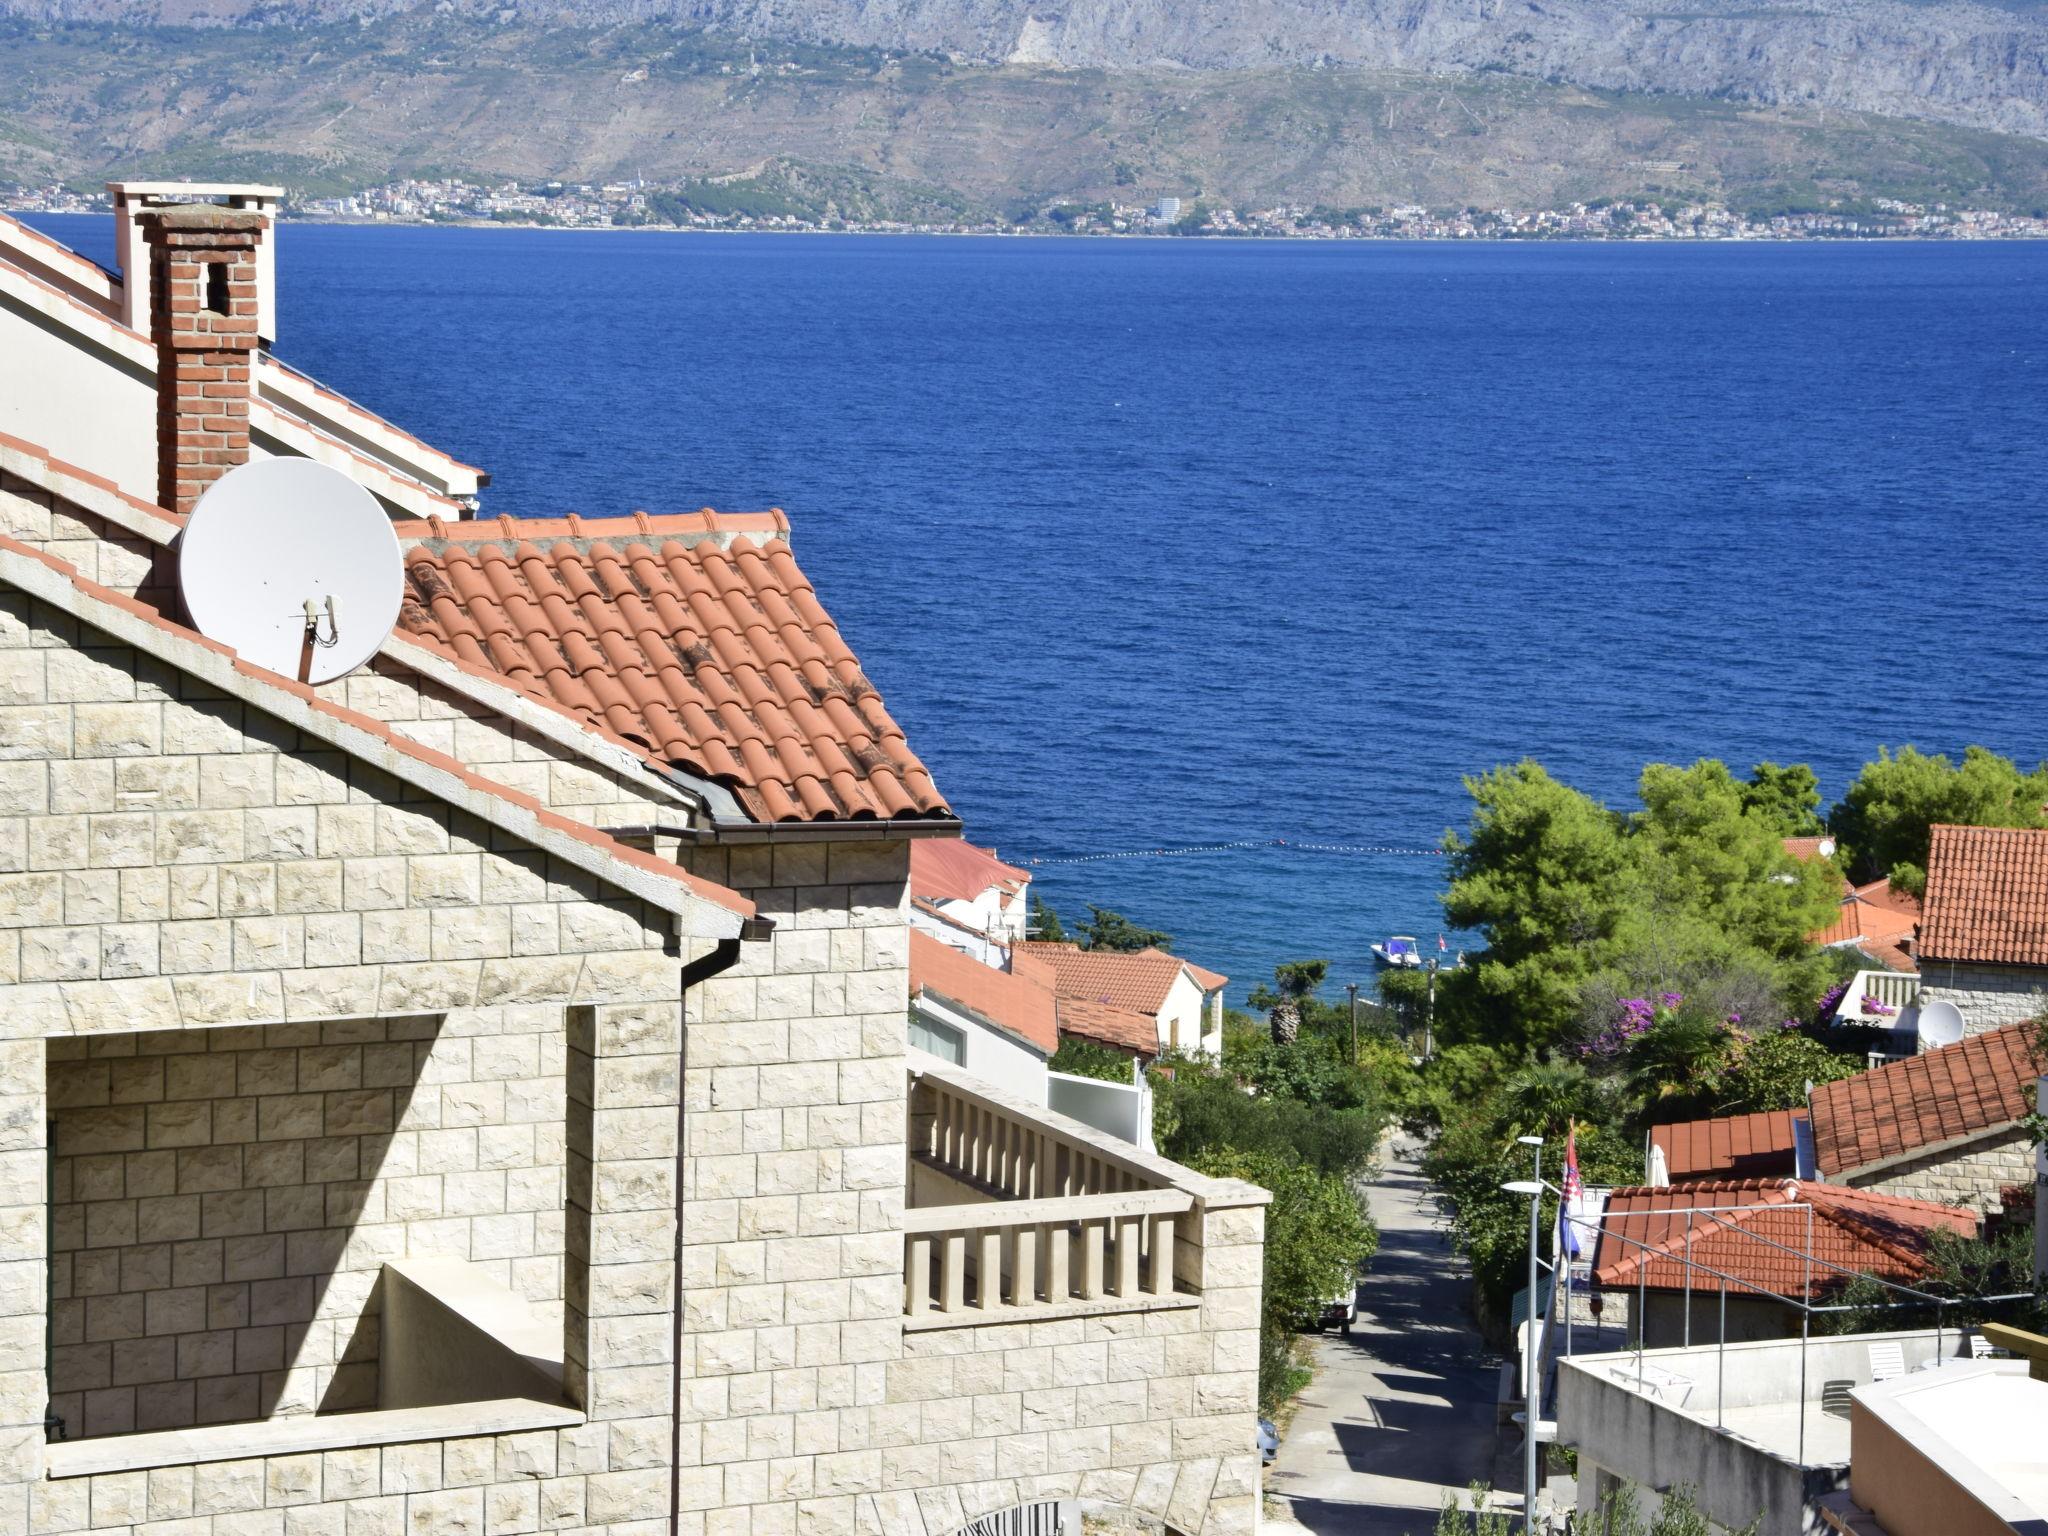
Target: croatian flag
x,y
1574,1194
1441,946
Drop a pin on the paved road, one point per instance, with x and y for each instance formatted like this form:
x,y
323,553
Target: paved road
x,y
1404,1408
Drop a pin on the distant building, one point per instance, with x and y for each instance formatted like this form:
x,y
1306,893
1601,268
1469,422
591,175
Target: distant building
x,y
1984,940
1166,210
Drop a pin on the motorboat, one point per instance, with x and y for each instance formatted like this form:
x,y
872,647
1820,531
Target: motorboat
x,y
1399,953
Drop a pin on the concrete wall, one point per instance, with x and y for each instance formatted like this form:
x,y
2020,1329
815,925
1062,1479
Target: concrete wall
x,y
1122,1110
1969,1175
1622,1433
1906,1490
1747,1318
1989,996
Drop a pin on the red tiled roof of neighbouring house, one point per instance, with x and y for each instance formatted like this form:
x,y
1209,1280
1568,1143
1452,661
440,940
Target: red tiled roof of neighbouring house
x,y
1955,1093
1107,1024
1805,848
945,869
1763,1246
717,658
1208,981
1872,914
1729,1146
1139,980
1987,896
1016,1004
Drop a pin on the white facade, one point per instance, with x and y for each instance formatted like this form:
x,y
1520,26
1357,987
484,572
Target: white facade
x,y
988,1052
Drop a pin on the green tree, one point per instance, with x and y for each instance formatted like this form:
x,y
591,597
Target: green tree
x,y
1546,874
1705,853
1316,1237
1771,1071
1084,1058
1884,817
1785,799
1044,923
1112,930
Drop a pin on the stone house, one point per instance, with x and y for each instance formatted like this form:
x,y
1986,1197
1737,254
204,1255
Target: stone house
x,y
1946,1125
473,1096
1983,943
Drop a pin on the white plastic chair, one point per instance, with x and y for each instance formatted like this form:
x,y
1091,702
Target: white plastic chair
x,y
1887,1360
1980,1347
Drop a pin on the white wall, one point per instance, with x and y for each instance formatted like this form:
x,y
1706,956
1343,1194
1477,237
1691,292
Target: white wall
x,y
1183,1010
1123,1110
86,407
992,1054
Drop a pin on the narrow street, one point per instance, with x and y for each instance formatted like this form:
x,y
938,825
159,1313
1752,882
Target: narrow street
x,y
1403,1410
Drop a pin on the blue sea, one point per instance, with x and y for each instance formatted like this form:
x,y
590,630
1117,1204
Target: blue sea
x,y
1152,544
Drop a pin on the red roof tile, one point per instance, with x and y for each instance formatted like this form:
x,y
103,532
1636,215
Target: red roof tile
x,y
1731,1146
1804,848
1764,1248
1960,1091
1107,1024
716,658
1139,980
1208,981
943,869
1016,1004
1987,896
1872,914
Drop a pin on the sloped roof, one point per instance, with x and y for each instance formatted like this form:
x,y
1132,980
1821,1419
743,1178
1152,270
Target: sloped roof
x,y
1805,848
1729,1146
134,622
1016,1004
946,869
1981,1083
1207,980
1872,914
1107,1024
1764,1248
1138,980
716,657
1987,896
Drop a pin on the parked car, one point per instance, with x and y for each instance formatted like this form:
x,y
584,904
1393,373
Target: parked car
x,y
1341,1310
1269,1441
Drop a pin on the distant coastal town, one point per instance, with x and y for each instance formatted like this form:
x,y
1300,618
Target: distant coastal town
x,y
750,202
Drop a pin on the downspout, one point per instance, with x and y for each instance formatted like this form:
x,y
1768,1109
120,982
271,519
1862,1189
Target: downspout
x,y
722,958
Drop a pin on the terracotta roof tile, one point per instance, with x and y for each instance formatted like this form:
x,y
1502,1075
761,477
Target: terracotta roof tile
x,y
1730,1146
1764,1249
1987,896
1208,981
1139,980
716,658
1871,914
1016,1004
1979,1084
1804,848
1107,1024
945,869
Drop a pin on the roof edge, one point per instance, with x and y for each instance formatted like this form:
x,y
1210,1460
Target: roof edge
x,y
705,909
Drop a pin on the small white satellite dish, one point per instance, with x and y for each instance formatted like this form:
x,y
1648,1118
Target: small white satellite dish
x,y
294,566
1940,1024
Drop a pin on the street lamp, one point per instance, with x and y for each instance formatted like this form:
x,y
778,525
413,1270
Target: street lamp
x,y
1532,1387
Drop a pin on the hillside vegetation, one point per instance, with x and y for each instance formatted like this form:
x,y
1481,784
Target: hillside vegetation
x,y
330,105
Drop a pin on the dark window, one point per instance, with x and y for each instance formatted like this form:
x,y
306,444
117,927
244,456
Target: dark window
x,y
217,287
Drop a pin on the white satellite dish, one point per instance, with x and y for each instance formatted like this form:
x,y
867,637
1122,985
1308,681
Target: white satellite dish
x,y
1940,1024
294,566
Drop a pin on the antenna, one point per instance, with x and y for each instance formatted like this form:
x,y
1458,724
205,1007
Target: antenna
x,y
1941,1024
292,565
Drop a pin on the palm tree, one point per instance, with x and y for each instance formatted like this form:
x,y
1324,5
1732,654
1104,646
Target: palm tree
x,y
1284,1019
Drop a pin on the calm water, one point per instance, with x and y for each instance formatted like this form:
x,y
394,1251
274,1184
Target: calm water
x,y
1154,543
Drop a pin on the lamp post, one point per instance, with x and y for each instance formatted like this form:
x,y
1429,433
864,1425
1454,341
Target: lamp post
x,y
1532,1388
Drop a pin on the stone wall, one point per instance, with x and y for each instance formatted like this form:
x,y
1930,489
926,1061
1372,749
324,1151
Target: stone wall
x,y
1970,1175
223,1199
1988,996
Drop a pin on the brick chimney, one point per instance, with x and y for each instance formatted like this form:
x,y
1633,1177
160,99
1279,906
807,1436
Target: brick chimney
x,y
203,301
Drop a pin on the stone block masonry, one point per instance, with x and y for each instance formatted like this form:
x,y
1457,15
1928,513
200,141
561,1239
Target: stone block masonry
x,y
1971,1175
223,1199
1987,996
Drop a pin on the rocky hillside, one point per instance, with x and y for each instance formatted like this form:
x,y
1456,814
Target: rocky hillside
x,y
327,105
1975,65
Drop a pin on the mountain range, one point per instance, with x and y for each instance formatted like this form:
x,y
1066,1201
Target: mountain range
x,y
1493,102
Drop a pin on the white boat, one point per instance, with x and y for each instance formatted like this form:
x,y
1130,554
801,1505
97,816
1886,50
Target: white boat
x,y
1400,952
